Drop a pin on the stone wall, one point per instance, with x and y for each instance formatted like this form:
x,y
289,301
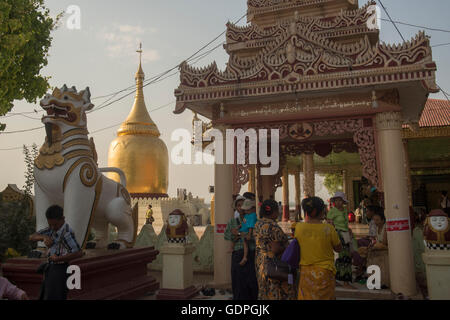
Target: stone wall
x,y
203,256
163,206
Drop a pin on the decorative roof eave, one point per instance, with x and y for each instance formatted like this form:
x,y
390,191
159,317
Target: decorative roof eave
x,y
348,22
350,80
300,53
267,6
261,42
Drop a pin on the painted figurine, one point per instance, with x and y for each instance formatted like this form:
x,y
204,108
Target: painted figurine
x,y
437,230
177,227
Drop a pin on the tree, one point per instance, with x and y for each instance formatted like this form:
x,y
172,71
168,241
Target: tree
x,y
16,225
29,171
333,182
25,27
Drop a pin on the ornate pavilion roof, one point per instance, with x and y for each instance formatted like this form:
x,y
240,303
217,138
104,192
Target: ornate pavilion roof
x,y
348,23
302,56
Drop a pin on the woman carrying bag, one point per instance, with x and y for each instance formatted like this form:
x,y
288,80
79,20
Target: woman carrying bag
x,y
271,242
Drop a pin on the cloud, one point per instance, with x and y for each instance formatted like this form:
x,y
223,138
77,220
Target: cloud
x,y
122,41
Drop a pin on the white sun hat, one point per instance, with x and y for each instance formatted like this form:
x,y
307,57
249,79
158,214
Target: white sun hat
x,y
248,204
238,198
340,194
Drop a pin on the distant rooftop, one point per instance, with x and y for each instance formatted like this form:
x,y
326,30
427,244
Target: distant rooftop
x,y
435,114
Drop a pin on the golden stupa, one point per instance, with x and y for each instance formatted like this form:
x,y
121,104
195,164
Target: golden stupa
x,y
139,151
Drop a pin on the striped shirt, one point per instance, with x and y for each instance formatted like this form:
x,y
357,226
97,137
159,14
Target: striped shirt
x,y
64,241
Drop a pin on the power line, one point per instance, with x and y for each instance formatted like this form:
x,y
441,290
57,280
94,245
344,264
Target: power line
x,y
20,131
151,80
417,26
102,129
387,13
441,45
389,16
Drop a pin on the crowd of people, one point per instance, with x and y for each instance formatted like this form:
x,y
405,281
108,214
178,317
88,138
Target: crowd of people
x,y
256,243
328,253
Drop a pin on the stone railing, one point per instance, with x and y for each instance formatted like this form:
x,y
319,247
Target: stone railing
x,y
203,256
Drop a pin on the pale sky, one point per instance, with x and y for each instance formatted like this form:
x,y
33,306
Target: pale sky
x,y
102,55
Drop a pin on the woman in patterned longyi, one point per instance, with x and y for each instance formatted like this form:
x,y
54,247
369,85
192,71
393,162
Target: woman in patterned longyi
x,y
271,241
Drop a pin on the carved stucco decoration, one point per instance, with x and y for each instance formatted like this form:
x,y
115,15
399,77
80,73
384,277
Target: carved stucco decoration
x,y
356,19
314,55
363,138
300,131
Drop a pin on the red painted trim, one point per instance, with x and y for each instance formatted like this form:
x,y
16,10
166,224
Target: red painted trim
x,y
397,225
285,213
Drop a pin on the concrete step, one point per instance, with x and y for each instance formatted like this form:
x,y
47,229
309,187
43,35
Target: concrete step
x,y
349,294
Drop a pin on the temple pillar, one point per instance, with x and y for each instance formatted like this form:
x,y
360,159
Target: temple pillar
x,y
267,187
252,179
392,159
223,190
408,172
309,174
285,194
347,185
298,202
258,187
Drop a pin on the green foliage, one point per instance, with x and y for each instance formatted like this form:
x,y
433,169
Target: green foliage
x,y
16,225
333,182
29,164
25,27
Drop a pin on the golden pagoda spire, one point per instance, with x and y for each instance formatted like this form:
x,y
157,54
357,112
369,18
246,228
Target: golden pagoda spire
x,y
138,121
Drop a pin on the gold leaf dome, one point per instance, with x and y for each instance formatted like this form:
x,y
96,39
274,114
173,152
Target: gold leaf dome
x,y
139,152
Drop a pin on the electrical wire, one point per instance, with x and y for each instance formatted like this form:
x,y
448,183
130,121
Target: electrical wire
x,y
417,26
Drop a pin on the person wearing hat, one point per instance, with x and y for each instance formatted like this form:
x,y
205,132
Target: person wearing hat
x,y
338,217
243,277
250,218
237,205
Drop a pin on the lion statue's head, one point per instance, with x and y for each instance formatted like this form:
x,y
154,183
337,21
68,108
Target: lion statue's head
x,y
67,106
66,109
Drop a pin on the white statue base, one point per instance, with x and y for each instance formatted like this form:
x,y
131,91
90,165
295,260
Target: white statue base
x,y
438,273
177,273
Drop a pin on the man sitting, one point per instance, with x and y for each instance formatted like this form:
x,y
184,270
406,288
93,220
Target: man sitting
x,y
62,248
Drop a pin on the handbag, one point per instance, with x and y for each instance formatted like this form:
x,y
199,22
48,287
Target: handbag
x,y
292,254
277,269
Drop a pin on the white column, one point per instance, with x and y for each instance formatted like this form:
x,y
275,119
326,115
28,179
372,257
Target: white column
x,y
408,171
223,190
401,262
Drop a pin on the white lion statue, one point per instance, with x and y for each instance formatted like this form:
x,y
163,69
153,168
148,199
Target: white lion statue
x,y
66,174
